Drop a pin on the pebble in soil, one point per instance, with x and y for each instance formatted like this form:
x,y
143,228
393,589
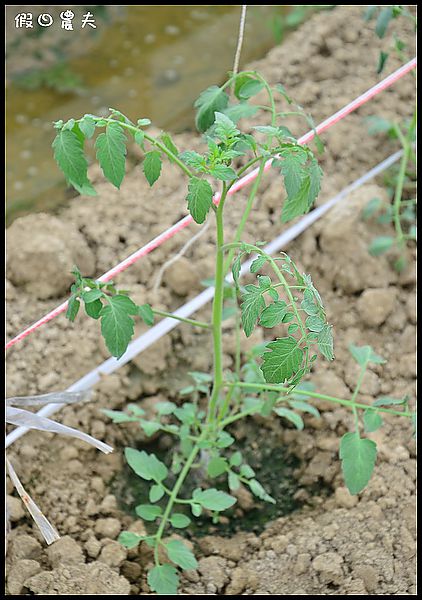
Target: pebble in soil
x,y
274,465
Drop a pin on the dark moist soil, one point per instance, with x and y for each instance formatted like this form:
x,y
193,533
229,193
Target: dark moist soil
x,y
333,544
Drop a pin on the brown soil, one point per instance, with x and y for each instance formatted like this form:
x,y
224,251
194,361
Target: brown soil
x,y
335,545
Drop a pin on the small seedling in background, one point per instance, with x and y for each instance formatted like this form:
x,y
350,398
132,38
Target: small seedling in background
x,y
401,185
271,383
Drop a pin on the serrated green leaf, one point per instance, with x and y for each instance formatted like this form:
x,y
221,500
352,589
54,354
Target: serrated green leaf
x,y
117,325
148,512
69,155
251,307
199,199
72,308
111,153
180,521
129,540
217,466
163,579
224,128
235,112
292,328
146,314
92,295
213,499
224,440
210,100
236,268
156,492
274,314
314,323
308,304
358,458
283,361
372,420
146,465
223,173
364,355
139,137
325,342
258,263
380,245
180,554
258,491
293,417
303,184
152,166
193,159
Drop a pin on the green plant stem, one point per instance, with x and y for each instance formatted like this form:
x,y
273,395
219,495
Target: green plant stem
x,y
245,216
163,313
278,388
217,309
406,142
354,396
173,496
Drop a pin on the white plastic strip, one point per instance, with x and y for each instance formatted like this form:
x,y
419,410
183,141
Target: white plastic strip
x,y
155,333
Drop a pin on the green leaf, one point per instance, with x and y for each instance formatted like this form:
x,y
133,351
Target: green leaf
x,y
146,465
111,153
236,459
117,326
325,342
146,314
117,416
156,492
296,419
305,407
217,466
387,401
234,481
370,12
223,173
236,268
358,458
196,510
148,512
211,100
144,122
251,307
258,263
258,491
180,554
225,129
224,440
130,540
179,521
87,126
247,471
163,579
283,361
92,295
139,137
72,308
364,355
274,314
380,245
235,112
150,427
383,21
199,199
213,499
165,407
371,208
314,323
69,155
169,143
381,61
371,420
249,88
152,166
302,185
